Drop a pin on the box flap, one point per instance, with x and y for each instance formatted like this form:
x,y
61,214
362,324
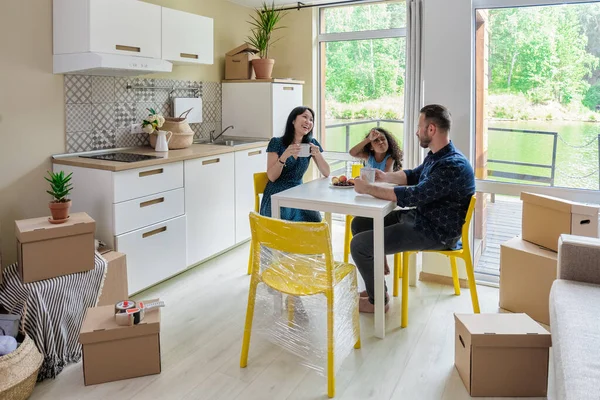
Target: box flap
x,y
99,325
36,229
245,48
556,203
504,330
517,243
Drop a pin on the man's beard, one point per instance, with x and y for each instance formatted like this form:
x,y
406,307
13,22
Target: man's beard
x,y
424,142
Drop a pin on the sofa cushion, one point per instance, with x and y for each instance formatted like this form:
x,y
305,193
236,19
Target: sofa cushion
x,y
575,326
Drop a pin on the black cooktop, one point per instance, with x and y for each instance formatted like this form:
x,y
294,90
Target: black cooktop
x,y
122,157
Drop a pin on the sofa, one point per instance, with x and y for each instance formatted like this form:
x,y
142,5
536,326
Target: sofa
x,y
575,319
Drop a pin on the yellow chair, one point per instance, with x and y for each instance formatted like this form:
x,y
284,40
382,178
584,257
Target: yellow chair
x,y
464,253
305,238
260,183
397,256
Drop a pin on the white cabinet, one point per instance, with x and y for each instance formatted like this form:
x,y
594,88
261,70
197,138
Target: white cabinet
x,y
154,253
139,212
210,206
265,116
187,38
247,163
129,27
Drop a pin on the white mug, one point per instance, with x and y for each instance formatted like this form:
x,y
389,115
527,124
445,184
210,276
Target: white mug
x,y
304,150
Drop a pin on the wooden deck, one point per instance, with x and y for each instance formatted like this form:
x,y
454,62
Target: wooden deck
x,y
503,223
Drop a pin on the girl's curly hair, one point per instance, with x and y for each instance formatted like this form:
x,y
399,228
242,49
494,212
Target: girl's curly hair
x,y
393,148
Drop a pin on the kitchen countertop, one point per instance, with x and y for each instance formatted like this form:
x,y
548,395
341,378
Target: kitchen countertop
x,y
194,151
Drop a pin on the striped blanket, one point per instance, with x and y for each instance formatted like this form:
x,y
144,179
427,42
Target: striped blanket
x,y
55,311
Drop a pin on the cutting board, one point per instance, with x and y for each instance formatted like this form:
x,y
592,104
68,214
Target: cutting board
x,y
181,104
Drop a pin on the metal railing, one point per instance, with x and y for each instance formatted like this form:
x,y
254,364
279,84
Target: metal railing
x,y
347,126
526,177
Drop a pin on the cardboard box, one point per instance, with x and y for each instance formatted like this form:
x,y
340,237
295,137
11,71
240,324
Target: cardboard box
x,y
527,272
238,63
46,250
112,352
501,355
115,283
545,218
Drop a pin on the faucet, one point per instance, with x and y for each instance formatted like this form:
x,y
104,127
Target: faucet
x,y
212,139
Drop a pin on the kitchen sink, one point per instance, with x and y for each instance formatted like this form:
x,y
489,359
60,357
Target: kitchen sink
x,y
230,142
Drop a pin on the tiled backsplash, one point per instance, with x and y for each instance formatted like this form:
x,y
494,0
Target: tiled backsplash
x,y
100,109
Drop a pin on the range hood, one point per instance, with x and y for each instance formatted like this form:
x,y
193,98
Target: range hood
x,y
108,64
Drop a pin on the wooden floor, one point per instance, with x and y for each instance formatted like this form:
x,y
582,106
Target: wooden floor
x,y
201,333
503,223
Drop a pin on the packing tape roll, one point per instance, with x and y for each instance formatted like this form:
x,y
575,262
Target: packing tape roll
x,y
129,317
124,305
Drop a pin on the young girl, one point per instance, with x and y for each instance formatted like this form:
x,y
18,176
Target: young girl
x,y
380,150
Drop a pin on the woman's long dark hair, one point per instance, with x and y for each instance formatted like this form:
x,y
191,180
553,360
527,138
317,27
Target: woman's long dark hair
x,y
288,135
393,148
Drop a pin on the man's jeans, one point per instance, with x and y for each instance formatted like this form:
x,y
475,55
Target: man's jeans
x,y
399,235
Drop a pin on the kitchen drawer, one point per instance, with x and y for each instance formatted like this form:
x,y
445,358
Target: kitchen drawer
x,y
140,182
153,253
144,211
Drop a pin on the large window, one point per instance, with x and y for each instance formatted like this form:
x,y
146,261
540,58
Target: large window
x,y
362,72
537,72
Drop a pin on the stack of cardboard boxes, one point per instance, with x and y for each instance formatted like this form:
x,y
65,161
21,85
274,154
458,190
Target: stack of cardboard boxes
x,y
110,352
528,263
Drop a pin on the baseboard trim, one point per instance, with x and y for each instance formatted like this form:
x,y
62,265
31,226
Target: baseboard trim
x,y
443,280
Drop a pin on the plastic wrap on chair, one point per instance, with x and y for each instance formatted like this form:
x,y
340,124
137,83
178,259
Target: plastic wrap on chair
x,y
291,308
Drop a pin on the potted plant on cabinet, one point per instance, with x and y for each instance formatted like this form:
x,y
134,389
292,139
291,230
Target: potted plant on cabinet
x,y
264,23
60,188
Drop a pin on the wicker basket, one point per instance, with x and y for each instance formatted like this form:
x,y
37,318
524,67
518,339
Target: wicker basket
x,y
183,135
19,369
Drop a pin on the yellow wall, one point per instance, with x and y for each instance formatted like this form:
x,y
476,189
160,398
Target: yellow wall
x,y
32,115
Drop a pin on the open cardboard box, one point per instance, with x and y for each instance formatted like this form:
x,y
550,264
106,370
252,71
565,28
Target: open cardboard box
x,y
545,218
238,62
501,355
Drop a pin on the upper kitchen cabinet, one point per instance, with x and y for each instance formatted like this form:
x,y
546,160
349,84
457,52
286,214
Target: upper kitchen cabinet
x,y
123,27
265,115
187,38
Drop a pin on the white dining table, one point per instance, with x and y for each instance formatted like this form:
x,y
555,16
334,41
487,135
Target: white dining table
x,y
319,195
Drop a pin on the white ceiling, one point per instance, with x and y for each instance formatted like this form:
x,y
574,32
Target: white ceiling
x,y
258,3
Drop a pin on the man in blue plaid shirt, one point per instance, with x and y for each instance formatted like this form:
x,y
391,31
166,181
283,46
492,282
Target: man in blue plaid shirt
x,y
438,191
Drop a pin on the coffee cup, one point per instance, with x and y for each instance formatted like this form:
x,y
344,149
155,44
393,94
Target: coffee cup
x,y
368,174
304,150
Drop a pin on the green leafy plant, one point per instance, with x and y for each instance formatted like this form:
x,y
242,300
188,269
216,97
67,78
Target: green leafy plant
x,y
153,121
264,23
60,187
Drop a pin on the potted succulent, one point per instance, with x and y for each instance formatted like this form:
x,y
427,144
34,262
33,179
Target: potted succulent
x,y
264,23
60,188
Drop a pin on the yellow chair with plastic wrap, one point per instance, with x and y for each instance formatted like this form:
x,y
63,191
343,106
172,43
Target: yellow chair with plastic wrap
x,y
296,277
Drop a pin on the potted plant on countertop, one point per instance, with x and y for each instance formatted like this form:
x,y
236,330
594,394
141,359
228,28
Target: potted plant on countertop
x,y
60,188
264,23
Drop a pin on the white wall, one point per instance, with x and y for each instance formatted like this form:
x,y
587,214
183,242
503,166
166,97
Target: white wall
x,y
447,66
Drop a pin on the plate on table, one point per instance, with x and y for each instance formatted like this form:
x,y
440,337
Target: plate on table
x,y
331,185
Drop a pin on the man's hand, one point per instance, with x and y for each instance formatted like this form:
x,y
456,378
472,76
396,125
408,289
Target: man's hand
x,y
361,186
380,176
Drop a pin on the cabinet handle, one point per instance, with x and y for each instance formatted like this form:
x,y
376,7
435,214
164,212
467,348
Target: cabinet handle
x,y
151,202
188,55
128,48
254,153
154,232
213,161
151,172
288,88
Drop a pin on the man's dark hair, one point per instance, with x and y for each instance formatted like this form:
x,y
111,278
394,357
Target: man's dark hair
x,y
438,115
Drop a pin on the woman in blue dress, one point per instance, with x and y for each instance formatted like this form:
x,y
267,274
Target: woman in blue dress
x,y
285,168
380,150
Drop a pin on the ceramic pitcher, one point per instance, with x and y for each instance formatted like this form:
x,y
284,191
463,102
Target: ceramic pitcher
x,y
162,143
